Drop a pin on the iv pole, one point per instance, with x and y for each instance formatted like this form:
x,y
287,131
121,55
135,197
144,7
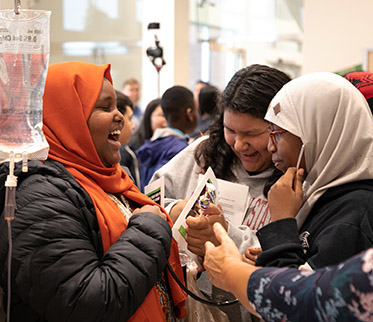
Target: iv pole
x,y
17,6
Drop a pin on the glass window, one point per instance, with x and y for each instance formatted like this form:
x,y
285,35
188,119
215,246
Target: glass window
x,y
227,35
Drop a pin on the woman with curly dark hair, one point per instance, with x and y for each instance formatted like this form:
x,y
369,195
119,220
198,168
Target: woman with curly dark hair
x,y
249,92
236,150
244,102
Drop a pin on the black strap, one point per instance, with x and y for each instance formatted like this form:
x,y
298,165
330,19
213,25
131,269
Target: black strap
x,y
196,297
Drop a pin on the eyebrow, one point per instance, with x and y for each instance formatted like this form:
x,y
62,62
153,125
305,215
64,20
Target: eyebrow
x,y
106,98
246,132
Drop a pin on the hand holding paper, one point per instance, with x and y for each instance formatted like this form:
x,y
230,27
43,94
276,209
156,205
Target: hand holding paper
x,y
200,229
179,228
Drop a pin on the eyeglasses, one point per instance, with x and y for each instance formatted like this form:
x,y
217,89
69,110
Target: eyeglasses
x,y
274,135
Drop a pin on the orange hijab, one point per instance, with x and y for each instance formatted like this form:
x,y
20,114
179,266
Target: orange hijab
x,y
71,92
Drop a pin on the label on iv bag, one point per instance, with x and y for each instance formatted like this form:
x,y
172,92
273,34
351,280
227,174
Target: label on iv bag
x,y
27,32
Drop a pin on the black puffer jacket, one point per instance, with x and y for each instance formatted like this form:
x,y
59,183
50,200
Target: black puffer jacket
x,y
59,271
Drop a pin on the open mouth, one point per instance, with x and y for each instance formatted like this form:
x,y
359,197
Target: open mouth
x,y
114,136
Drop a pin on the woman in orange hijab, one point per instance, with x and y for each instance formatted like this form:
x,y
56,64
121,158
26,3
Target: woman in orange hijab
x,y
87,245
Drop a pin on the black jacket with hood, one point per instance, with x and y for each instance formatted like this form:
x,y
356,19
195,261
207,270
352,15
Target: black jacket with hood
x,y
339,225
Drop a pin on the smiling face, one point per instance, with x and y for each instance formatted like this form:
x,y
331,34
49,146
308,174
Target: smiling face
x,y
285,148
105,124
248,138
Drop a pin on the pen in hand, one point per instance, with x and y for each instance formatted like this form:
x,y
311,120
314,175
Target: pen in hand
x,y
300,157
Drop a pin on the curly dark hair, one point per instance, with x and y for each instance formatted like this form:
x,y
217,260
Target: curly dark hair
x,y
250,91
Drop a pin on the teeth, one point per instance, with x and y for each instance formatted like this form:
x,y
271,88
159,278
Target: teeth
x,y
116,132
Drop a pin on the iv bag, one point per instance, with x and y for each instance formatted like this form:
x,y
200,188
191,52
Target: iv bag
x,y
24,57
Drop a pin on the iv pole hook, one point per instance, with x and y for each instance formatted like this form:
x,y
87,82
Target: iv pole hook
x,y
17,6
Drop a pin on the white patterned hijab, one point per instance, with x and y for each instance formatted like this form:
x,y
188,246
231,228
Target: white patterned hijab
x,y
335,124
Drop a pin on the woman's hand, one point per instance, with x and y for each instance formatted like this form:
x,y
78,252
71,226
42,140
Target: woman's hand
x,y
200,229
251,254
177,209
226,268
151,208
213,210
286,196
218,259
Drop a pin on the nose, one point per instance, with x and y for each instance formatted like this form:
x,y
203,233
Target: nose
x,y
118,116
270,146
240,144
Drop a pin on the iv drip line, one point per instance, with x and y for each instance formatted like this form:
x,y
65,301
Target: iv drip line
x,y
9,209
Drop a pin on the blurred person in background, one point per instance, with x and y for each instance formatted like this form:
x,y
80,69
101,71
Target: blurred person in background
x,y
197,88
132,88
207,106
182,117
153,119
363,81
128,158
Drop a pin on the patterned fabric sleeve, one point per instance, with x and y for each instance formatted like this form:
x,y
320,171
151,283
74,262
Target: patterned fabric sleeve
x,y
338,293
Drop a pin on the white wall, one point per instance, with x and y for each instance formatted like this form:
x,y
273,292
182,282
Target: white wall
x,y
7,4
336,33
